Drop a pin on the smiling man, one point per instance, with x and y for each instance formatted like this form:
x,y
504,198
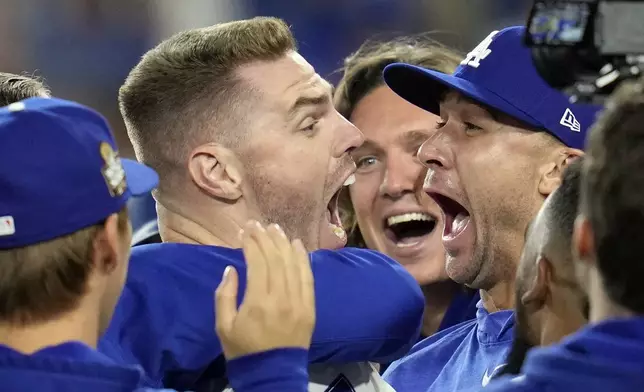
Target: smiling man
x,y
386,208
503,141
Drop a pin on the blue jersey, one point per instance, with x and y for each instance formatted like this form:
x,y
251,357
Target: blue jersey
x,y
459,358
282,370
369,308
68,367
608,356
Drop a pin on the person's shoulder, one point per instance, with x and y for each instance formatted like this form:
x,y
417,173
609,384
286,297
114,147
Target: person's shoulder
x,y
439,345
167,250
67,367
168,253
448,337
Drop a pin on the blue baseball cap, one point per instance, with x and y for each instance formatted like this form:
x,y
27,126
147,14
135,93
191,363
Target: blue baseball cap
x,y
499,73
60,171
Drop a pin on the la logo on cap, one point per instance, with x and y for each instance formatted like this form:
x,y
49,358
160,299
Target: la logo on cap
x,y
482,50
113,170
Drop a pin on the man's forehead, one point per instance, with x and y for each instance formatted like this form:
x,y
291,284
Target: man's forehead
x,y
285,75
455,101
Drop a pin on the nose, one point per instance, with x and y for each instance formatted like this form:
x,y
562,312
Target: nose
x,y
434,152
348,137
402,175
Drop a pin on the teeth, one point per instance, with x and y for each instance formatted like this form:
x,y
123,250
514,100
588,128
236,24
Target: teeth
x,y
408,217
350,180
339,231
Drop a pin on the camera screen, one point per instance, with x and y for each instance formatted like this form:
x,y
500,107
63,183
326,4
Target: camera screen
x,y
558,23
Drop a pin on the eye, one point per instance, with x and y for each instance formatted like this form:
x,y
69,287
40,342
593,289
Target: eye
x,y
440,124
311,127
469,127
364,163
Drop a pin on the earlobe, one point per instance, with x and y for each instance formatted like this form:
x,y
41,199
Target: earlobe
x,y
213,168
538,290
552,171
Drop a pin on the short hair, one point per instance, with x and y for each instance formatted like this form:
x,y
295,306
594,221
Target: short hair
x,y
14,88
40,282
187,86
562,210
362,73
612,195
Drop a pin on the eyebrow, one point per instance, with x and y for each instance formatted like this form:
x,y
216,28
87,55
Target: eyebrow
x,y
311,100
368,145
411,139
494,113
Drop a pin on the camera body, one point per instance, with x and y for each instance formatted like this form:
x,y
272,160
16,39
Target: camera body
x,y
587,47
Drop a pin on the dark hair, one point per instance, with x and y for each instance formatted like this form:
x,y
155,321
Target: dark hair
x,y
14,88
362,73
563,208
179,89
561,216
612,195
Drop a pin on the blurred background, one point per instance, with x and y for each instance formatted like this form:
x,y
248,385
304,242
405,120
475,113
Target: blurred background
x,y
84,49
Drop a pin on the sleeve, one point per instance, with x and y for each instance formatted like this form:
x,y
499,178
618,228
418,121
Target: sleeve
x,y
368,309
281,370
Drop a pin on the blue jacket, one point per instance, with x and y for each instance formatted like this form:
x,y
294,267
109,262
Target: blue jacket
x,y
608,356
369,308
68,367
456,359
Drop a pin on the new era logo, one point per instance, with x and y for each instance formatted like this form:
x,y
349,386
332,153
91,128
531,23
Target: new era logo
x,y
7,226
568,120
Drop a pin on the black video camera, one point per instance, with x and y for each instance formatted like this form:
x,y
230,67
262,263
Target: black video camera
x,y
587,47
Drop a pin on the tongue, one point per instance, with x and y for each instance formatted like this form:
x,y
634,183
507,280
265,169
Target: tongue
x,y
458,223
409,240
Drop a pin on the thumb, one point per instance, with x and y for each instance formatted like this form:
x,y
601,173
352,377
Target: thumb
x,y
226,301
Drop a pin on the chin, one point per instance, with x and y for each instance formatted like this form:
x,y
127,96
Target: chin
x,y
462,268
427,273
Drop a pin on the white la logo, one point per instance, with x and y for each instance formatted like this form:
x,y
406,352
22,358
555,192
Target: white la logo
x,y
479,53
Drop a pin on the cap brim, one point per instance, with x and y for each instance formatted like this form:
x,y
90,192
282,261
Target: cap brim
x,y
425,88
140,178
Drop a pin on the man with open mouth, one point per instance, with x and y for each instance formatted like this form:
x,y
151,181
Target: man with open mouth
x,y
385,208
503,141
241,127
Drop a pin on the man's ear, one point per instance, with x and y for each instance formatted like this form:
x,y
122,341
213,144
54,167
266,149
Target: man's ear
x,y
583,242
107,245
215,170
538,288
552,171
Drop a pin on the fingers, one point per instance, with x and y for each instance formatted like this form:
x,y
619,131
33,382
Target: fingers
x,y
226,301
268,241
257,273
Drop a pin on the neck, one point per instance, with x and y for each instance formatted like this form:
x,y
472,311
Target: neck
x,y
601,306
176,226
499,297
78,325
438,297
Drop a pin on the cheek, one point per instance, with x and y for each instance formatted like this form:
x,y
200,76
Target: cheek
x,y
364,193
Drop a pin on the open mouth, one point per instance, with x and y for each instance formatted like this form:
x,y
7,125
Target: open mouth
x,y
456,216
409,228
